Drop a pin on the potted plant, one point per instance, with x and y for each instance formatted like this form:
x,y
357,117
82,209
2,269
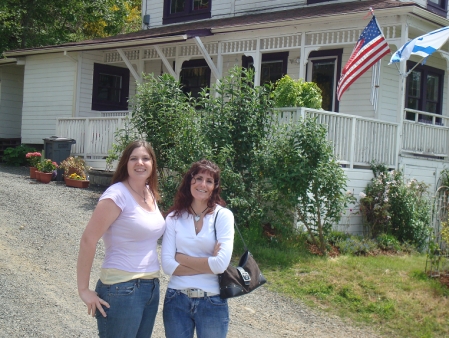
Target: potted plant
x,y
76,181
73,165
48,167
33,159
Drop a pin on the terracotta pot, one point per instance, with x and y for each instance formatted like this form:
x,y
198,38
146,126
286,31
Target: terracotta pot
x,y
46,177
33,172
38,175
76,183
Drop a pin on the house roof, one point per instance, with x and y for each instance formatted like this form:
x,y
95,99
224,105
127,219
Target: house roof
x,y
180,32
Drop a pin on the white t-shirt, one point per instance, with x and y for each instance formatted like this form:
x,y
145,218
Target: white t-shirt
x,y
180,237
131,240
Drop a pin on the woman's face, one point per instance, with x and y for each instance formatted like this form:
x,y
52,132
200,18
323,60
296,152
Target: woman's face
x,y
140,164
202,186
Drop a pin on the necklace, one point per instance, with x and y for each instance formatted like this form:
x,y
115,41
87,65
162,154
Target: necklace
x,y
198,216
144,198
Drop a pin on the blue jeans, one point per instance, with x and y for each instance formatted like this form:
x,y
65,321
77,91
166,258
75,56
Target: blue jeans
x,y
133,308
209,315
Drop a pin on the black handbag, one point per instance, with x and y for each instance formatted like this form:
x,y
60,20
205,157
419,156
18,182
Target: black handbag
x,y
242,279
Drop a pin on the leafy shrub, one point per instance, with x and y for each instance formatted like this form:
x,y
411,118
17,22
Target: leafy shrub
x,y
391,206
388,242
356,246
296,93
16,156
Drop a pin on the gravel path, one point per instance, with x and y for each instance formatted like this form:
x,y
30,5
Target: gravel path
x,y
40,228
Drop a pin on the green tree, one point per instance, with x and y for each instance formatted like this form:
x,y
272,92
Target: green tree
x,y
35,23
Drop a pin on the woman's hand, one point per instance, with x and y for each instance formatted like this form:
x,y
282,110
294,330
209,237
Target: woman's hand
x,y
93,302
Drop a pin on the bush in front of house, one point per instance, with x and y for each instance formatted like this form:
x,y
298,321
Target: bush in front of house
x,y
233,124
394,207
16,156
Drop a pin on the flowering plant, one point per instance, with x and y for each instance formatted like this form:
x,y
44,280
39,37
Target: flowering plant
x,y
75,165
77,177
48,166
33,158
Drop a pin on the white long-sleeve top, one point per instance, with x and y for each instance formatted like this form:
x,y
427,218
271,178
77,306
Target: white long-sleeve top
x,y
180,237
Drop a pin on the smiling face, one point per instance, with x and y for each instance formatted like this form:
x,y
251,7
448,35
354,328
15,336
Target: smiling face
x,y
139,164
201,186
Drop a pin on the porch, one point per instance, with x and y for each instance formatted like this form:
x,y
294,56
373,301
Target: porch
x,y
357,140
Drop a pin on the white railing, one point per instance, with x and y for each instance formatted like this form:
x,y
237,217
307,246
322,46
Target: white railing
x,y
425,133
356,140
93,135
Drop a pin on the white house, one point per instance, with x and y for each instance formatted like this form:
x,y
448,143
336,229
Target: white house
x,y
80,90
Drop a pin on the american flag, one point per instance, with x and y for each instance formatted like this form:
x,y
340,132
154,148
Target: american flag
x,y
370,48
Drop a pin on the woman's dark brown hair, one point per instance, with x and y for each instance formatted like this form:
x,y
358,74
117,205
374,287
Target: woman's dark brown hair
x,y
121,173
184,198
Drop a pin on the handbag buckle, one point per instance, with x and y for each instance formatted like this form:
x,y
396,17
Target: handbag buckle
x,y
245,275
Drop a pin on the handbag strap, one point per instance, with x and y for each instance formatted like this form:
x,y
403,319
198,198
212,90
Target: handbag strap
x,y
235,225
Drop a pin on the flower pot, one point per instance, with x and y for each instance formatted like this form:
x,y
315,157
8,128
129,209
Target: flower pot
x,y
33,172
46,177
38,175
76,183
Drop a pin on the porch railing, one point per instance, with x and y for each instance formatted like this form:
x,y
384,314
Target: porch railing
x,y
425,133
94,135
356,140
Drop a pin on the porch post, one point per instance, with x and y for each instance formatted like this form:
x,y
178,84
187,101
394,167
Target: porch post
x,y
303,57
401,103
257,64
352,145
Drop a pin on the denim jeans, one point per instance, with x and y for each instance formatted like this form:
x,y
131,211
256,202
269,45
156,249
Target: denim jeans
x,y
133,308
209,315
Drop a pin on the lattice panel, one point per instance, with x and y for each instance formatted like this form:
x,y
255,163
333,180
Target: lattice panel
x,y
345,36
234,47
149,54
280,42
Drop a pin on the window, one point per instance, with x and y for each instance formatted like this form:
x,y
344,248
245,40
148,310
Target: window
x,y
186,10
273,67
424,91
195,75
324,69
110,88
438,7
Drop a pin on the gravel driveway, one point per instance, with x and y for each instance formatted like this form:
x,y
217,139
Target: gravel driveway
x,y
40,227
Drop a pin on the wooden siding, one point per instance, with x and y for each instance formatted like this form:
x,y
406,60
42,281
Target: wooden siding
x,y
11,96
49,87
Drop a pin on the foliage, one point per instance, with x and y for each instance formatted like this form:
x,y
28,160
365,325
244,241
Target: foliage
x,y
74,164
302,168
388,242
296,93
33,158
47,166
393,207
27,24
357,246
16,156
265,166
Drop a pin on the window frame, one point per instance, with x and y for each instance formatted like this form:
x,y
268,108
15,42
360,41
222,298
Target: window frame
x,y
105,105
425,70
440,8
324,55
187,15
269,57
198,63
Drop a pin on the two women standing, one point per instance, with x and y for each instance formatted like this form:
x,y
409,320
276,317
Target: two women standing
x,y
126,298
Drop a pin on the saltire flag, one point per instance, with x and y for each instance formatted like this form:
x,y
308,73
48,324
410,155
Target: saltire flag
x,y
423,45
370,48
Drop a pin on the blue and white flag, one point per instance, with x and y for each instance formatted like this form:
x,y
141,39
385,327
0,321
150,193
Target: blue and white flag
x,y
423,45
